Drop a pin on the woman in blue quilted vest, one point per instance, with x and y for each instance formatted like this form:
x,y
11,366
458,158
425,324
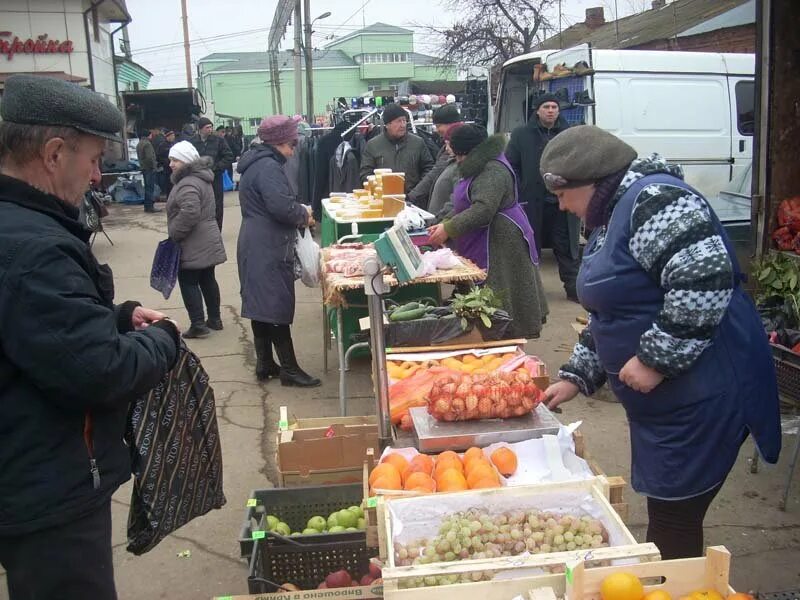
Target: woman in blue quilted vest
x,y
671,329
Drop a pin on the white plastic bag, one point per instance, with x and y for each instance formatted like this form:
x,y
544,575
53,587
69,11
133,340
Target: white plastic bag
x,y
308,255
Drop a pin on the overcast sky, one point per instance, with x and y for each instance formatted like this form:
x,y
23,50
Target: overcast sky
x,y
156,33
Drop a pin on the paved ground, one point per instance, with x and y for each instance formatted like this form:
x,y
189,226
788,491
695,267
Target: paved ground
x,y
765,541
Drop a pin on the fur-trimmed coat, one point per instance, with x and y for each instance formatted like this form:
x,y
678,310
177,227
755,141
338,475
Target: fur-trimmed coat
x,y
191,216
510,272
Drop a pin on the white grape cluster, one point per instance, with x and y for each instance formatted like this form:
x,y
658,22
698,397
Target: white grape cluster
x,y
476,535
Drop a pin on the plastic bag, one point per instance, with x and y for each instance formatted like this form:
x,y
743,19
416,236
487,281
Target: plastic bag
x,y
227,184
176,458
308,257
166,262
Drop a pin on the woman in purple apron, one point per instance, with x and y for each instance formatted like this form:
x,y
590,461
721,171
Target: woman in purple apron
x,y
488,226
671,329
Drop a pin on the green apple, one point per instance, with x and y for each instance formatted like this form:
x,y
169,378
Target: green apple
x,y
336,529
333,520
346,518
317,523
272,522
357,511
283,528
295,534
311,531
362,524
351,529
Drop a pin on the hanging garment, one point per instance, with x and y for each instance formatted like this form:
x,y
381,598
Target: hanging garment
x,y
344,169
176,456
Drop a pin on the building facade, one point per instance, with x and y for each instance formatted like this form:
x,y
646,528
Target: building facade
x,y
131,76
377,58
68,39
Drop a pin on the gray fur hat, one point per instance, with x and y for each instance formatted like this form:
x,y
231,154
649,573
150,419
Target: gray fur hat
x,y
582,155
41,100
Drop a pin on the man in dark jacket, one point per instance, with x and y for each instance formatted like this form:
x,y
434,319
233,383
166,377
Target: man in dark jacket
x,y
215,147
71,361
445,120
551,226
146,154
162,159
397,149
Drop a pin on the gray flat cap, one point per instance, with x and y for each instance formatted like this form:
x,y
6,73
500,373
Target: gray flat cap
x,y
582,155
41,100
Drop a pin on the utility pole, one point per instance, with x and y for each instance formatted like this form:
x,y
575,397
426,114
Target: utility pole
x,y
298,69
186,51
309,63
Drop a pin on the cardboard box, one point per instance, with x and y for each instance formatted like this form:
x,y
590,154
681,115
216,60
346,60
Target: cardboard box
x,y
324,451
353,593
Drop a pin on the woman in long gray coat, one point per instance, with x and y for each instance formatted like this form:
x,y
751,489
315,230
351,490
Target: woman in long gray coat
x,y
271,217
191,222
488,226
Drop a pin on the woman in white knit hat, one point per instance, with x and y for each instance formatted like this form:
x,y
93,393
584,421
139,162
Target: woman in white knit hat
x,y
191,222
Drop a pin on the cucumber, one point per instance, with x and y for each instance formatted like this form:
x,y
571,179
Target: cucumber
x,y
407,315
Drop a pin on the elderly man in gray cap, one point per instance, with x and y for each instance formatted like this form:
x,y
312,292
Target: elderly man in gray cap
x,y
71,360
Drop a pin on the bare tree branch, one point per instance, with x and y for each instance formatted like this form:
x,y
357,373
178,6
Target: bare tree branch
x,y
489,32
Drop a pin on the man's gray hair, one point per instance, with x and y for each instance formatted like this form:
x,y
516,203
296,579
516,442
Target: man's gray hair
x,y
21,144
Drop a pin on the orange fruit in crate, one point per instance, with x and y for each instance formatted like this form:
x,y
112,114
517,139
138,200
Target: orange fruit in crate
x,y
480,472
485,484
396,459
422,463
388,472
470,455
386,483
447,460
476,463
420,480
505,460
451,480
664,595
621,586
447,455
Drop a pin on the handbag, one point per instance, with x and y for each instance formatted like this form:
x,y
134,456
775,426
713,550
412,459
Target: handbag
x,y
176,455
166,263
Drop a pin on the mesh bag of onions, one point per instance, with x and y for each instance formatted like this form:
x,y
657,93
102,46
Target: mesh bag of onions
x,y
483,396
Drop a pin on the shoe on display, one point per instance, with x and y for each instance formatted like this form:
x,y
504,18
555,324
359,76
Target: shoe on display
x,y
583,98
562,94
562,70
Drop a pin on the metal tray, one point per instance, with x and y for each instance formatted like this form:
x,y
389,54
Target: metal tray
x,y
431,435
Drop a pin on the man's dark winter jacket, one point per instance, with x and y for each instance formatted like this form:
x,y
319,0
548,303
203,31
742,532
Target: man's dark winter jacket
x,y
216,148
69,366
409,156
524,152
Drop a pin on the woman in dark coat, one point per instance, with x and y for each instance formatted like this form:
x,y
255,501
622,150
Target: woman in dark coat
x,y
191,222
271,217
488,226
672,330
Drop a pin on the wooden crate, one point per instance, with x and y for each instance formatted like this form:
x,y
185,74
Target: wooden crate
x,y
597,489
681,577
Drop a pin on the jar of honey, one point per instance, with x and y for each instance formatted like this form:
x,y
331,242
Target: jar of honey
x,y
393,184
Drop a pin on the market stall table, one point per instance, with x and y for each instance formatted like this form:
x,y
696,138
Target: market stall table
x,y
336,285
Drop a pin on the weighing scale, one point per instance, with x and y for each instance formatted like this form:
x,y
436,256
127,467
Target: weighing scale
x,y
396,250
435,436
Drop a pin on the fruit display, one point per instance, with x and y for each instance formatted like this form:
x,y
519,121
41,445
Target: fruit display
x,y
475,534
346,520
343,579
446,472
478,396
465,363
627,586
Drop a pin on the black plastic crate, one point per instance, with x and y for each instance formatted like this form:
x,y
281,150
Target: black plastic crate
x,y
787,368
305,566
295,506
788,595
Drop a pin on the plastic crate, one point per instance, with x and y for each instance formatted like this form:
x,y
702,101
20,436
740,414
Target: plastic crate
x,y
787,595
305,566
295,506
787,369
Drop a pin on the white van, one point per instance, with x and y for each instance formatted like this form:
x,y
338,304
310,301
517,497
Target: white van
x,y
693,108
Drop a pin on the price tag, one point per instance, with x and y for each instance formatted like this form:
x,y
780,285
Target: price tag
x,y
283,425
569,575
259,535
329,433
372,502
252,502
225,598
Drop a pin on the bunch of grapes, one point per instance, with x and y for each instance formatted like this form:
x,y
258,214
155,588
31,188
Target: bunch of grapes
x,y
476,535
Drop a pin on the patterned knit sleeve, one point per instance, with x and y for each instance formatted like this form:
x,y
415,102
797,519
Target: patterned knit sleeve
x,y
673,237
584,368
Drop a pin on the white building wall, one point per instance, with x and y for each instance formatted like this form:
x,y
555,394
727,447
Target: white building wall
x,y
60,20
